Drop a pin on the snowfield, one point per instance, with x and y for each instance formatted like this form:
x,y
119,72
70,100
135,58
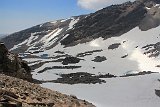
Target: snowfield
x,y
119,92
126,58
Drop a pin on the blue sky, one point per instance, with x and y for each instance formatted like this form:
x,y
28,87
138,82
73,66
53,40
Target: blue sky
x,y
16,15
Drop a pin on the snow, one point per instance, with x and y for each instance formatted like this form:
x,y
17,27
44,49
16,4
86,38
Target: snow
x,y
73,22
63,20
17,46
136,91
51,35
148,8
135,61
157,5
49,75
131,72
119,92
32,37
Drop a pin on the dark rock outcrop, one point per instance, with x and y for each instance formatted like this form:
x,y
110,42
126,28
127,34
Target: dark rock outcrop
x,y
70,60
11,64
153,50
81,78
114,46
99,59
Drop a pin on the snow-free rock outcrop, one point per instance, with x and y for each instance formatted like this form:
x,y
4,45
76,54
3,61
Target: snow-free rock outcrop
x,y
11,64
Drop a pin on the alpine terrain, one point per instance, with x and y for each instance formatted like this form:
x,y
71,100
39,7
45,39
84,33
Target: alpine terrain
x,y
110,58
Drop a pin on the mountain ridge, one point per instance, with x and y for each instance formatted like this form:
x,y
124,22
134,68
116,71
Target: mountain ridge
x,y
121,17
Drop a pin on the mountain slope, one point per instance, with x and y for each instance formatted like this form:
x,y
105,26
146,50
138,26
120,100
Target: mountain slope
x,y
31,95
109,22
45,34
112,53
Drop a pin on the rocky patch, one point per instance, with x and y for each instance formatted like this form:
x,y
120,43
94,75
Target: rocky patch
x,y
19,93
11,64
82,77
153,50
59,52
124,56
108,22
99,59
59,67
88,53
137,74
114,46
157,92
70,60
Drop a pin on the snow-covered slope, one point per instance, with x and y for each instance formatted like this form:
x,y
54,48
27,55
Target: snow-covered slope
x,y
121,41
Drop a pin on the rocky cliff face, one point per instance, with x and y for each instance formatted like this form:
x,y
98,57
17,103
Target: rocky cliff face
x,y
11,64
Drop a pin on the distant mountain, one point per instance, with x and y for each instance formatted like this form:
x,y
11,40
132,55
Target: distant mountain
x,y
109,22
3,35
120,42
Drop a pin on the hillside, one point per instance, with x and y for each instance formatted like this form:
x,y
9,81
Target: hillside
x,y
18,92
112,56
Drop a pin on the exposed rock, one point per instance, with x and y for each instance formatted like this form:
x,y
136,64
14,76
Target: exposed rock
x,y
153,50
38,31
59,52
20,93
59,67
88,53
152,18
70,60
11,64
158,66
124,56
157,92
111,21
81,77
140,73
108,22
99,59
114,46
